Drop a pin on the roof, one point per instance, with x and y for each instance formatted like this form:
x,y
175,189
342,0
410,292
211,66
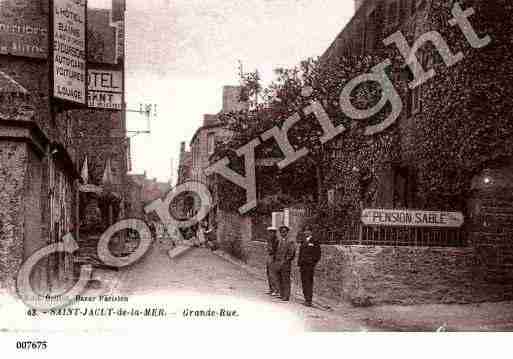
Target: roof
x,y
210,126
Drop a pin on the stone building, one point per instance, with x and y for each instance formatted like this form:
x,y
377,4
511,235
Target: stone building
x,y
143,191
38,178
450,149
414,164
203,144
184,165
102,147
42,147
135,203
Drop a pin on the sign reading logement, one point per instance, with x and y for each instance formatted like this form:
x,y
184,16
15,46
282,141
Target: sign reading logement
x,y
105,89
69,50
412,218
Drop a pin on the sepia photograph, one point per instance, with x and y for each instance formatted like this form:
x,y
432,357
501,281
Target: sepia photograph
x,y
332,174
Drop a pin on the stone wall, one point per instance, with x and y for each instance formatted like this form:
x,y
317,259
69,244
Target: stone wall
x,y
34,238
13,162
228,226
230,233
413,275
370,275
329,276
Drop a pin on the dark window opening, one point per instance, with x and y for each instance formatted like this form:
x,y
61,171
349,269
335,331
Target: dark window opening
x,y
404,187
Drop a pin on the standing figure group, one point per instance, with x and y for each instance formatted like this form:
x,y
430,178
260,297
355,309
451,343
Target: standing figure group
x,y
204,236
281,251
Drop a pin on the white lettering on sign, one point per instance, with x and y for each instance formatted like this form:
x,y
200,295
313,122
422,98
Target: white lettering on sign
x,y
23,39
69,50
22,35
105,89
412,218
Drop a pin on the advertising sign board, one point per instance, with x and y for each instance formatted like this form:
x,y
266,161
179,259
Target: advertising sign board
x,y
69,50
105,89
22,34
411,218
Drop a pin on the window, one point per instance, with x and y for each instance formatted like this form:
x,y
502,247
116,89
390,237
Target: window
x,y
373,30
128,156
416,100
404,187
429,62
416,93
404,10
211,143
393,14
413,8
364,39
400,189
331,197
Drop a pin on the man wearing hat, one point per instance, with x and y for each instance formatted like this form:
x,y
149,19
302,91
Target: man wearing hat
x,y
285,253
272,275
309,256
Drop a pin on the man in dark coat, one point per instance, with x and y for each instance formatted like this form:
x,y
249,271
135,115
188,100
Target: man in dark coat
x,y
272,275
285,253
309,255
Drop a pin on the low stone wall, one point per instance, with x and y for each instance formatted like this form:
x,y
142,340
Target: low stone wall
x,y
367,275
328,276
408,275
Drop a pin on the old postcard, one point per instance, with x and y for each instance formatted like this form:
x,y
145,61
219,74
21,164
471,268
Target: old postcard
x,y
269,167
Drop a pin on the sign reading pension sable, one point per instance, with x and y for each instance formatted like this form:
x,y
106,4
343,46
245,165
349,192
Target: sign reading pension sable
x,y
398,217
69,50
105,89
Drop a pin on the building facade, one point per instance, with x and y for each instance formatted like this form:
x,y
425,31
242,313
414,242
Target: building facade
x,y
44,143
38,180
449,150
415,164
202,146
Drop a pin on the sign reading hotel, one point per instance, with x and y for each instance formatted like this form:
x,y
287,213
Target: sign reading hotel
x,y
411,218
105,89
69,50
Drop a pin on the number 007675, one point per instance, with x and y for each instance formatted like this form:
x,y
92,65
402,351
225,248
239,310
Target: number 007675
x,y
31,345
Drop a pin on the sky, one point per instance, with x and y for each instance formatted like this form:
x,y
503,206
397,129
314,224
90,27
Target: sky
x,y
180,53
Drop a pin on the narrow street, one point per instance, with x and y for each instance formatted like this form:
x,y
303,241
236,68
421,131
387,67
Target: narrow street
x,y
199,280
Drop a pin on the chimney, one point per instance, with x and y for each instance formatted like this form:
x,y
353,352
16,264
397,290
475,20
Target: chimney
x,y
232,100
118,10
209,120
